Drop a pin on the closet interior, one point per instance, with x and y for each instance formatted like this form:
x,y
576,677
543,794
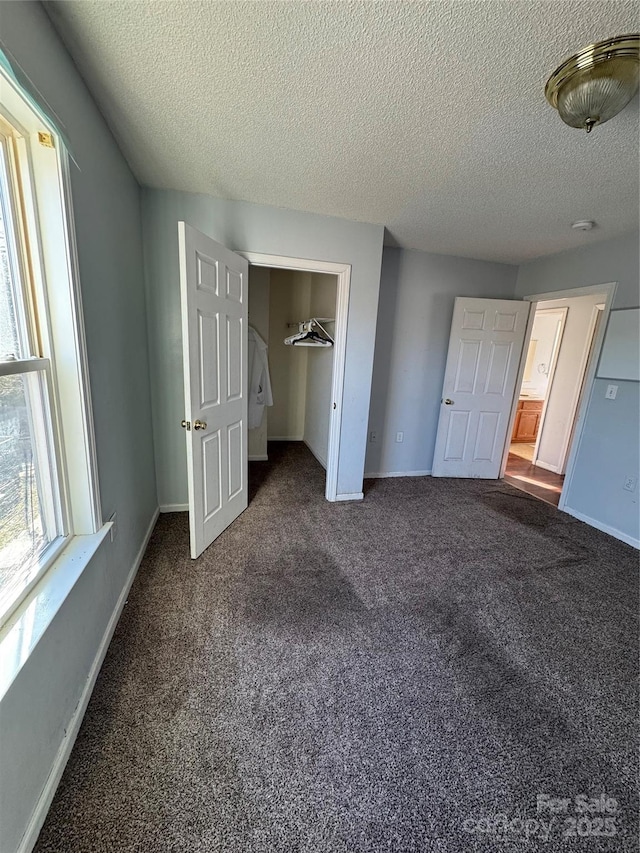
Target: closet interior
x,y
294,314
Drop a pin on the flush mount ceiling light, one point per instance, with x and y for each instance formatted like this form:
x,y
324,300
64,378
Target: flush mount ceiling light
x,y
592,86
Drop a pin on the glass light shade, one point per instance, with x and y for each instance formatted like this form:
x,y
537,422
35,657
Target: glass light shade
x,y
594,95
596,83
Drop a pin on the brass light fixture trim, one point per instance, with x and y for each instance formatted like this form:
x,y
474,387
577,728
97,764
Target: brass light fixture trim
x,y
596,83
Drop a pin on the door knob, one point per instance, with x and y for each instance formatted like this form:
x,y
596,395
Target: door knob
x,y
447,402
199,425
185,424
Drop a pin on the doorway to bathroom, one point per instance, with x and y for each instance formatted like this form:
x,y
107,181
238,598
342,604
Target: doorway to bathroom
x,y
559,352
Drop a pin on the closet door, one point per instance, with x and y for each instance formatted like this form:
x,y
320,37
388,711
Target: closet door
x,y
213,285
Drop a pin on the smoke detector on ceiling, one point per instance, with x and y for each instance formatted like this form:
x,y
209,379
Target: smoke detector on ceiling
x,y
583,225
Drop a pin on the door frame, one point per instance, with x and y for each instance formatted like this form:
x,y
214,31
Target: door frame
x,y
343,274
597,318
608,289
577,397
552,371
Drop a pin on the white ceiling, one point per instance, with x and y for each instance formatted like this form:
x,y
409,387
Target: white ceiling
x,y
427,117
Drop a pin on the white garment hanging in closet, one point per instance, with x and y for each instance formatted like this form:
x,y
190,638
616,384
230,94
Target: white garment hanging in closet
x,y
259,379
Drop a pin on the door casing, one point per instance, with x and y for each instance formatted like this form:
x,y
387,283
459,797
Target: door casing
x,y
609,289
343,273
562,312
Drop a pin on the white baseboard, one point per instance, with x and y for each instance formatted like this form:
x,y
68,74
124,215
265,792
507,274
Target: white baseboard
x,y
612,531
71,731
380,474
322,461
284,438
259,457
174,508
350,496
546,466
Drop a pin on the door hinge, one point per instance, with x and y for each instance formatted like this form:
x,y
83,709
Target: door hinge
x,y
45,139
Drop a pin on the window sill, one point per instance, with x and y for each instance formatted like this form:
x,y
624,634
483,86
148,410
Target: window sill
x,y
22,632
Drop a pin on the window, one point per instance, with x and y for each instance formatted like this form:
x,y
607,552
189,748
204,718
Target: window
x,y
31,520
48,483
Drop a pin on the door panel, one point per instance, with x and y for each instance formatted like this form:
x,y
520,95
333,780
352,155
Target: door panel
x,y
467,368
482,366
234,286
235,459
486,437
209,360
498,370
211,482
213,283
207,274
505,321
457,435
234,359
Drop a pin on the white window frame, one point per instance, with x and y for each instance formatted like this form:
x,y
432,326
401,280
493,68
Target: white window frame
x,y
45,191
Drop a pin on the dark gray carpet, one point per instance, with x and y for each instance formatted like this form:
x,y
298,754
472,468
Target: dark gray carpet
x,y
379,676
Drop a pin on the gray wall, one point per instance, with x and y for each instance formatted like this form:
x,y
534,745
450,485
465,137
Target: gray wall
x,y
599,263
608,451
607,454
107,210
417,292
251,227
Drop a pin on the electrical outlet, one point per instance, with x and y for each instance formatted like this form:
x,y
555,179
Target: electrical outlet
x,y
630,484
373,436
114,528
611,392
399,437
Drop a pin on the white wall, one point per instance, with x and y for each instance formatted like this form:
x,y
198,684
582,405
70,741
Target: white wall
x,y
322,303
36,712
567,381
289,303
417,292
608,450
259,279
254,228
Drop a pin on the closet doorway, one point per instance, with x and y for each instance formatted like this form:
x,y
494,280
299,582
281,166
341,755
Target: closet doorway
x,y
285,295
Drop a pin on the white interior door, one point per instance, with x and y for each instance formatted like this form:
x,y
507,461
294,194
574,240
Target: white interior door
x,y
485,347
213,286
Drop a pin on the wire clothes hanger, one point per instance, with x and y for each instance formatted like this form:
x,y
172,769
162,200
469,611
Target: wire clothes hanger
x,y
308,334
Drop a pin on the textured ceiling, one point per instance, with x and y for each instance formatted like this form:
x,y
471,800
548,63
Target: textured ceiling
x,y
427,117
